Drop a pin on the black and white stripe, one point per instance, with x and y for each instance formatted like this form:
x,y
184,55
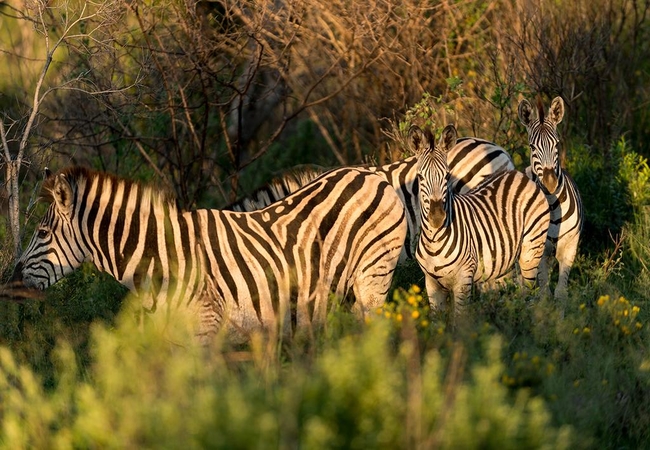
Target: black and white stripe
x,y
471,160
343,232
278,188
477,236
560,190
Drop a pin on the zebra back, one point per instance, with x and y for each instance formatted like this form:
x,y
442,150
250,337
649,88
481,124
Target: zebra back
x,y
470,161
479,235
278,188
561,191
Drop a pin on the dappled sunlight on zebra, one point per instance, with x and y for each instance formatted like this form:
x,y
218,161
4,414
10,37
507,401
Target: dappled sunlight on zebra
x,y
477,236
273,268
470,161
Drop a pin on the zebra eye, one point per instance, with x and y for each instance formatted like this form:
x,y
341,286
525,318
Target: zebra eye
x,y
43,233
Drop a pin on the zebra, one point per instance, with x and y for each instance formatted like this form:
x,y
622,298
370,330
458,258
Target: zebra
x,y
471,160
560,190
477,236
275,267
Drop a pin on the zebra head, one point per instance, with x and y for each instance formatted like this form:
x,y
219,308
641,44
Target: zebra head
x,y
543,140
55,249
433,174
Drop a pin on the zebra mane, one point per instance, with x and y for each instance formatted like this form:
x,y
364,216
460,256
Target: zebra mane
x,y
540,109
77,175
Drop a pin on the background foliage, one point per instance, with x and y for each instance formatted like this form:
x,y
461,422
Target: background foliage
x,y
210,99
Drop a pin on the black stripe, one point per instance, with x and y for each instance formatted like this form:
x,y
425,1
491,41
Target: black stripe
x,y
222,269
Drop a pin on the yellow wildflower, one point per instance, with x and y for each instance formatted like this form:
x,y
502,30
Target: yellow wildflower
x,y
415,289
399,317
603,299
415,314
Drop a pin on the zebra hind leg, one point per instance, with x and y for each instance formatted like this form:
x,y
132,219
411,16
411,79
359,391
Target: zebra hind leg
x,y
544,271
370,292
533,261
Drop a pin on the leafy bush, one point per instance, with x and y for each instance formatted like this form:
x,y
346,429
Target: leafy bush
x,y
152,385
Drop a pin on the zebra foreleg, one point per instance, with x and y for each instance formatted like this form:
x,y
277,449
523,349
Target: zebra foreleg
x,y
437,294
565,255
462,291
210,307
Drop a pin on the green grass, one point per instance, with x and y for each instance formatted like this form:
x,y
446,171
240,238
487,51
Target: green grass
x,y
79,371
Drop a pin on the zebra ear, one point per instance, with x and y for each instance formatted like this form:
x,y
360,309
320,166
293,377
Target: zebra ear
x,y
418,140
47,173
62,193
525,112
448,138
556,111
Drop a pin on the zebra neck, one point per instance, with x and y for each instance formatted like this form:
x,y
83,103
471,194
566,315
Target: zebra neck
x,y
146,244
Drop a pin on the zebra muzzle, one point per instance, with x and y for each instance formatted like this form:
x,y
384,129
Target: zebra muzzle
x,y
437,214
549,180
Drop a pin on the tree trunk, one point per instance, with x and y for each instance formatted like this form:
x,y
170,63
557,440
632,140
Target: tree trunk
x,y
13,194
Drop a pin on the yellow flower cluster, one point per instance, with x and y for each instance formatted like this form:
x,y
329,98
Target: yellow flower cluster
x,y
623,314
409,304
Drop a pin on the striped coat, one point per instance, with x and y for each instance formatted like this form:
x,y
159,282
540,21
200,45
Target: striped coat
x,y
561,191
477,236
471,160
342,233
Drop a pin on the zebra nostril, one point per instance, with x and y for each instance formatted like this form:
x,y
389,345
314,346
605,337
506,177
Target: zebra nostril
x,y
18,272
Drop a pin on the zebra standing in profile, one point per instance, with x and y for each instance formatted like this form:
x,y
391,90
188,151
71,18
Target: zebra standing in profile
x,y
471,160
273,267
477,236
561,191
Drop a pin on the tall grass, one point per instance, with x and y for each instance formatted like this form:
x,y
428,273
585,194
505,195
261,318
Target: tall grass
x,y
381,387
511,375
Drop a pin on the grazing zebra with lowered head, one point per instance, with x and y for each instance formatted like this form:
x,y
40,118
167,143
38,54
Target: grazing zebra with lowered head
x,y
274,267
477,236
471,160
560,190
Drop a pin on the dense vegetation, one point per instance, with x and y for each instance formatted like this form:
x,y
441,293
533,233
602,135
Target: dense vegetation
x,y
208,99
